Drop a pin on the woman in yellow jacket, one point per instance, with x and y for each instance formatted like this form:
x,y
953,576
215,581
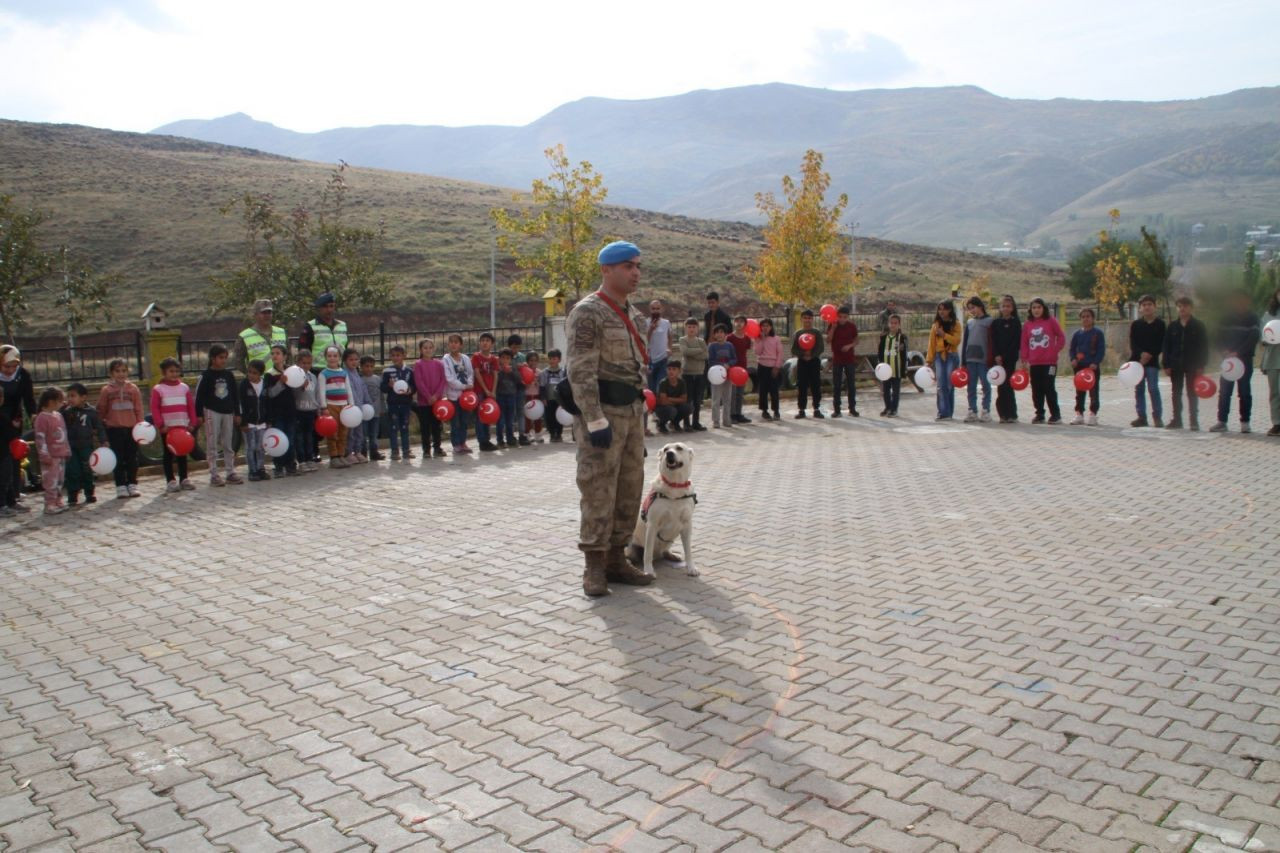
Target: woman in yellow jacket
x,y
944,356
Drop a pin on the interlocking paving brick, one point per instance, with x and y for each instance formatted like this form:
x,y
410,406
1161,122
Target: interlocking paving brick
x,y
1095,678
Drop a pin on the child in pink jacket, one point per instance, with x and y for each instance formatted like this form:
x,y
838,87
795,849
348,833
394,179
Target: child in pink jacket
x,y
53,448
1042,341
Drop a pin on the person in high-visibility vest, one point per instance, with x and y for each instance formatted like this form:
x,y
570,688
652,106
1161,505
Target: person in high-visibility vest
x,y
256,341
324,330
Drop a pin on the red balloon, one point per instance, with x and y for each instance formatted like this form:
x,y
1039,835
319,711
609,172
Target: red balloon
x,y
650,400
18,449
807,341
1019,379
828,313
443,410
489,411
1085,379
526,374
738,376
752,329
468,400
327,426
960,377
179,441
1204,387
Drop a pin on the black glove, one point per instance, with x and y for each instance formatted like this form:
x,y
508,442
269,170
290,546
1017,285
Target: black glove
x,y
602,438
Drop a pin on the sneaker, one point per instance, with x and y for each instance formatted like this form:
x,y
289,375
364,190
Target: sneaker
x,y
1245,428
187,485
662,428
215,480
766,416
742,419
836,413
91,499
701,428
1055,420
1038,419
395,457
293,472
502,442
884,412
800,415
1274,431
985,417
971,418
361,458
437,452
487,446
409,454
853,413
1218,427
524,441
338,462
8,512
122,491
55,510
817,413
1174,424
1078,420
235,479
1138,422
133,490
463,449
171,486
1157,423
1091,419
677,428
376,456
73,500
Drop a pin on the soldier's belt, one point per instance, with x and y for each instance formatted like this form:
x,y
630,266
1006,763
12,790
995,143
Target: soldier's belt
x,y
618,393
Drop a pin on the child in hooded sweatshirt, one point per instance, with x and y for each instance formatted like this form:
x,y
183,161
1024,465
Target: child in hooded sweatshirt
x,y
85,434
54,450
976,349
254,418
1088,349
120,408
1042,341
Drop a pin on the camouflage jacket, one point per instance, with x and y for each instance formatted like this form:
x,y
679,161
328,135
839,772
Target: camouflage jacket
x,y
602,349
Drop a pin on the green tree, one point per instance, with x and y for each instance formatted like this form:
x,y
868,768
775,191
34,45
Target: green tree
x,y
1113,271
28,271
804,261
292,257
553,242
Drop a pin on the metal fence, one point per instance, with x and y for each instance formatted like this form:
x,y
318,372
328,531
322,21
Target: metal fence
x,y
49,365
194,353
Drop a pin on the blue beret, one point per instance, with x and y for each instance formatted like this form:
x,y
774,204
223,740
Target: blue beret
x,y
617,252
324,299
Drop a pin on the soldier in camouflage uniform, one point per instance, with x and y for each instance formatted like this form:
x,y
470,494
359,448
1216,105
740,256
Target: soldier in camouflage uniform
x,y
608,362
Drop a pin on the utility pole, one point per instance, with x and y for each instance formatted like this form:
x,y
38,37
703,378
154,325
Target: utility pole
x,y
66,295
853,264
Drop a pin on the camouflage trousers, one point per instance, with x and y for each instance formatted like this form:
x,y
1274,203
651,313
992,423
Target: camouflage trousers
x,y
611,481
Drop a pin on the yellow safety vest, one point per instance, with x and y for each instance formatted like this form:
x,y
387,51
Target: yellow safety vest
x,y
326,337
259,347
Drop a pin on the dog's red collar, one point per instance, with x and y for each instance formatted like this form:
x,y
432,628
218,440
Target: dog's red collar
x,y
683,485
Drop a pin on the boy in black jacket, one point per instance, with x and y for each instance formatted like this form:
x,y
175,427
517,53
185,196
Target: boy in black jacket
x,y
85,433
1238,337
253,418
1146,342
1186,352
218,407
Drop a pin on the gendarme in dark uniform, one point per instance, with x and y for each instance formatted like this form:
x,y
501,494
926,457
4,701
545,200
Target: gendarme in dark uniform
x,y
607,364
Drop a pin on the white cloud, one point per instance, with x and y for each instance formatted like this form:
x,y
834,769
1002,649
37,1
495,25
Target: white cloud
x,y
135,64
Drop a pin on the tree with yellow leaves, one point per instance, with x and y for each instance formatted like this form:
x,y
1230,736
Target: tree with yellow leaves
x,y
1117,269
804,260
554,242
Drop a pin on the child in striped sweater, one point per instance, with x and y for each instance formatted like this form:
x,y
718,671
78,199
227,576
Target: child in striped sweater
x,y
333,394
173,406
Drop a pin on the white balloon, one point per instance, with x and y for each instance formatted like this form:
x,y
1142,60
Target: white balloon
x,y
400,386
997,375
275,442
925,378
351,417
1131,373
144,433
884,372
1271,333
717,374
563,416
295,376
1232,369
368,412
534,409
102,460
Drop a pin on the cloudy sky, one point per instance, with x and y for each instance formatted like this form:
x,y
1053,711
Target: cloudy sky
x,y
137,64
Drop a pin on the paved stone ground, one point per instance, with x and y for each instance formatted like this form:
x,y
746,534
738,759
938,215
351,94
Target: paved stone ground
x,y
906,637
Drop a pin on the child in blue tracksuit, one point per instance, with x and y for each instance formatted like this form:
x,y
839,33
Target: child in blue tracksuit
x,y
1088,349
399,405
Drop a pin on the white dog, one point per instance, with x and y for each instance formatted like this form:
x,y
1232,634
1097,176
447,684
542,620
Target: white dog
x,y
667,512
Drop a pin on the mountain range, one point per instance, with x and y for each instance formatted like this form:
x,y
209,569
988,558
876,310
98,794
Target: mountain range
x,y
953,166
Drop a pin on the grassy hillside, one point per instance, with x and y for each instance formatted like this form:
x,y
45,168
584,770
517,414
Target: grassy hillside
x,y
148,207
